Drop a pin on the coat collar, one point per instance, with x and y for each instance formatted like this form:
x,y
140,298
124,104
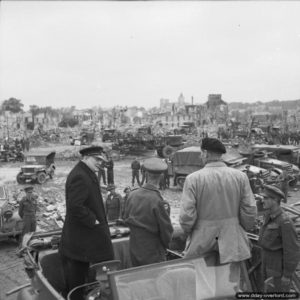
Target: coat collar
x,y
215,164
88,171
148,186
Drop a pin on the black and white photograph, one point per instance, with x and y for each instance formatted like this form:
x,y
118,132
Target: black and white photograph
x,y
149,150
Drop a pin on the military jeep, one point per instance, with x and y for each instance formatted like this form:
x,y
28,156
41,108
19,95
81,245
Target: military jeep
x,y
11,225
37,168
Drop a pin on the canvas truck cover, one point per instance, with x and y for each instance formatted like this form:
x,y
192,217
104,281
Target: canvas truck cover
x,y
187,160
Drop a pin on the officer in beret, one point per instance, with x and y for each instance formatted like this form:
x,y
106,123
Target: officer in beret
x,y
27,210
85,234
278,241
148,218
217,208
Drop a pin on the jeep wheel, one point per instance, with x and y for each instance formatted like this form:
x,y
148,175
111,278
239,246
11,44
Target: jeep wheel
x,y
159,152
41,177
293,182
180,181
167,151
20,180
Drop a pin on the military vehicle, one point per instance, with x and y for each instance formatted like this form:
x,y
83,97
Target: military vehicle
x,y
38,166
11,225
175,279
167,145
185,162
189,160
109,135
287,153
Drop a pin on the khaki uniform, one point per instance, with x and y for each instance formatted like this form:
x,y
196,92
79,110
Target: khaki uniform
x,y
27,211
147,216
280,248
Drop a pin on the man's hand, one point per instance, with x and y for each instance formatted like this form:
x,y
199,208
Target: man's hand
x,y
97,222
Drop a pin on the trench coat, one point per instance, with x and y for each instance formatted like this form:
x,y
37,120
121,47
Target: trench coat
x,y
217,208
150,225
82,239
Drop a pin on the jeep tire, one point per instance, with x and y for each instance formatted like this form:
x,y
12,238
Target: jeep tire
x,y
20,180
167,151
41,178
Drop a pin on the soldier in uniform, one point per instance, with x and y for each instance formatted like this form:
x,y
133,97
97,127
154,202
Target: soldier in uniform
x,y
27,210
113,204
147,215
127,191
135,166
278,241
110,170
85,235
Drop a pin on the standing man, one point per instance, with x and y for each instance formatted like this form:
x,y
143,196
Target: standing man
x,y
27,210
278,240
135,166
110,170
147,216
127,191
85,235
101,175
113,204
217,208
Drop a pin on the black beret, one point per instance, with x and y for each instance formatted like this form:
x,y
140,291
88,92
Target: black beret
x,y
96,151
28,188
273,191
213,145
155,165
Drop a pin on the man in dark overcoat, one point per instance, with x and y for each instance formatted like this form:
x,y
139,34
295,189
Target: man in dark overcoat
x,y
147,215
85,235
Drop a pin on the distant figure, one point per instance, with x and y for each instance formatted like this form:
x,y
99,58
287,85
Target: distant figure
x,y
27,210
113,204
135,166
127,191
143,173
27,144
110,170
23,144
101,175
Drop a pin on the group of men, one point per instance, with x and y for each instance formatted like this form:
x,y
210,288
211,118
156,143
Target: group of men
x,y
217,208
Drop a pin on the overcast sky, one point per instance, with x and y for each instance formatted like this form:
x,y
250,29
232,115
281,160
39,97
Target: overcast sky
x,y
62,53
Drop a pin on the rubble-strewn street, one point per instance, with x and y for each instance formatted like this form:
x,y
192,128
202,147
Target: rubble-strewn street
x,y
51,206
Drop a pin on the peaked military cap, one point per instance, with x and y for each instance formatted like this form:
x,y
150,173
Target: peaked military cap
x,y
96,151
28,188
155,165
213,145
273,191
